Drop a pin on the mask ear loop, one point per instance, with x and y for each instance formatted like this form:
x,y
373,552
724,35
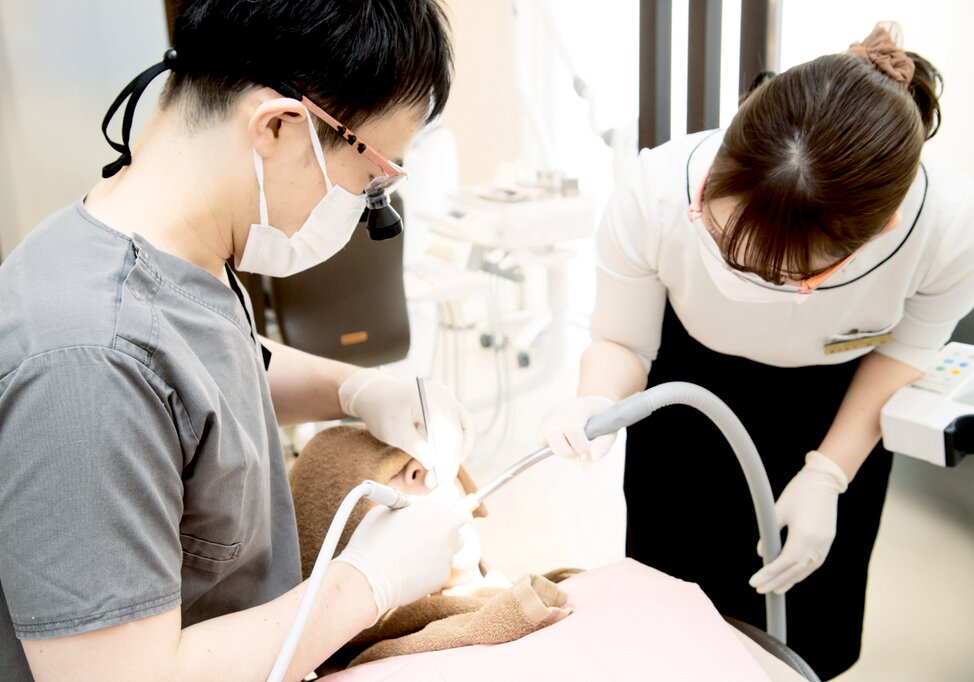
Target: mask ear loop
x,y
316,144
259,168
132,92
261,197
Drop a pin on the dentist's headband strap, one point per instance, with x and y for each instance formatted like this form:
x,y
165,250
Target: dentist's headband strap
x,y
132,92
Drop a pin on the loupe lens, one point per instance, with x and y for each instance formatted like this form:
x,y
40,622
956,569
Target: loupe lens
x,y
383,221
385,183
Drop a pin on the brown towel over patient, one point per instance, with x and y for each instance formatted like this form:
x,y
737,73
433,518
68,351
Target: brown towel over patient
x,y
338,459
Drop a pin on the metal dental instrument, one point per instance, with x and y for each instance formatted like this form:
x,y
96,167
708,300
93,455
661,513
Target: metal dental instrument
x,y
618,416
610,421
424,408
512,471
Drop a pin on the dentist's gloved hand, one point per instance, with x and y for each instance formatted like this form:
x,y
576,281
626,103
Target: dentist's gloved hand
x,y
391,411
808,506
563,429
407,553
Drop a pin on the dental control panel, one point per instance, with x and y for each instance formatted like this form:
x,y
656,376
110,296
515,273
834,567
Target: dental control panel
x,y
933,418
953,372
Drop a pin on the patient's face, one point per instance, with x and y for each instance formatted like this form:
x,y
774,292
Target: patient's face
x,y
410,480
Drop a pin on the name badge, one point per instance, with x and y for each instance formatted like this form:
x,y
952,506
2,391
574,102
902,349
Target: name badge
x,y
846,344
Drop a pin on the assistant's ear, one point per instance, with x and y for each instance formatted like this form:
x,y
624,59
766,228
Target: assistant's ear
x,y
892,223
267,119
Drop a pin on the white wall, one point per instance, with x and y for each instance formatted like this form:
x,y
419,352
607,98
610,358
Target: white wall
x,y
483,110
62,62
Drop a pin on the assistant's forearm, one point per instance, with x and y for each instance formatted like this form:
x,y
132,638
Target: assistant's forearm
x,y
855,429
244,645
304,387
611,370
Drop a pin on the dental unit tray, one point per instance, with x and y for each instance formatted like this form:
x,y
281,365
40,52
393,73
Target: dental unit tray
x,y
639,406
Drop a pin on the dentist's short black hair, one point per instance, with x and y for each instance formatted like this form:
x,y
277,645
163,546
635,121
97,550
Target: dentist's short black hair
x,y
356,59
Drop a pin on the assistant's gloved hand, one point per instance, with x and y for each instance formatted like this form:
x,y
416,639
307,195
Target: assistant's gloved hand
x,y
407,553
391,411
808,507
563,429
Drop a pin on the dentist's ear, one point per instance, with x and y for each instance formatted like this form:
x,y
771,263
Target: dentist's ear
x,y
269,118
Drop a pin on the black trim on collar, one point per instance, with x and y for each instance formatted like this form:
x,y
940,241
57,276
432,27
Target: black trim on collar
x,y
690,158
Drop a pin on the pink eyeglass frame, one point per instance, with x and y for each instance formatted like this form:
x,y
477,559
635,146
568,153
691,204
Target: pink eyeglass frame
x,y
393,174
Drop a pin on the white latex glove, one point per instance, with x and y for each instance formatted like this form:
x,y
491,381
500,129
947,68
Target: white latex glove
x,y
808,507
407,553
391,411
563,429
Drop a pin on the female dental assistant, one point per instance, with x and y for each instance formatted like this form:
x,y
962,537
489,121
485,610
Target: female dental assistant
x,y
802,265
148,529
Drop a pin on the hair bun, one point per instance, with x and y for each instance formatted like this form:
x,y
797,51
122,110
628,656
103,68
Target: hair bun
x,y
883,48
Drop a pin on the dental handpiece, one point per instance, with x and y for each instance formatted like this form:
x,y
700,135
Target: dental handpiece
x,y
385,495
608,421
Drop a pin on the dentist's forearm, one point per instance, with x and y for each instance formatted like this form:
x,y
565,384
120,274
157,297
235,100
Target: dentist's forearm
x,y
343,607
304,387
237,646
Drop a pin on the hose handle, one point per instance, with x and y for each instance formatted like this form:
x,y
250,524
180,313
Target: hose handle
x,y
618,416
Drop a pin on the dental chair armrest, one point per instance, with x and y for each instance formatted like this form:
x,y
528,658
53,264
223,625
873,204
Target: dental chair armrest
x,y
774,647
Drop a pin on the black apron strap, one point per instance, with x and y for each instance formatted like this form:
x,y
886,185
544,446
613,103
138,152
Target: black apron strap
x,y
264,351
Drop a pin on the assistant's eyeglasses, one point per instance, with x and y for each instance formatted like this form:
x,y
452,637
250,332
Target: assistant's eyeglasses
x,y
807,284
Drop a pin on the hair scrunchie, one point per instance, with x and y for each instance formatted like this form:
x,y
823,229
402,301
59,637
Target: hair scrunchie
x,y
883,48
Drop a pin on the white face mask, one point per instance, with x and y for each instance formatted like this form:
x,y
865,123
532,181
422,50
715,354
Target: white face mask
x,y
326,231
744,287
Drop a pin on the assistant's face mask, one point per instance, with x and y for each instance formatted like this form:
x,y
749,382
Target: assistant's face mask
x,y
326,231
744,287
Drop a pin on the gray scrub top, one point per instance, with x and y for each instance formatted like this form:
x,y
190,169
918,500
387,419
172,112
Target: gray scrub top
x,y
140,463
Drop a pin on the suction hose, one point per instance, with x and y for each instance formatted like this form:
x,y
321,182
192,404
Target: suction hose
x,y
370,490
639,406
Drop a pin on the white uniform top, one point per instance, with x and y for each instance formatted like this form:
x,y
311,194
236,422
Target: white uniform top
x,y
915,281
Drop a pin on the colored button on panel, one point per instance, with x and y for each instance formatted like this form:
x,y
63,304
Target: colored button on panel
x,y
955,371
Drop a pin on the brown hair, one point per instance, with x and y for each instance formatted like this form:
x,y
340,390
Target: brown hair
x,y
819,158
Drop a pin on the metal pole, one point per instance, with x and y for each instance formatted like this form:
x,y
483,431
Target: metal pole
x,y
760,39
655,45
703,65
